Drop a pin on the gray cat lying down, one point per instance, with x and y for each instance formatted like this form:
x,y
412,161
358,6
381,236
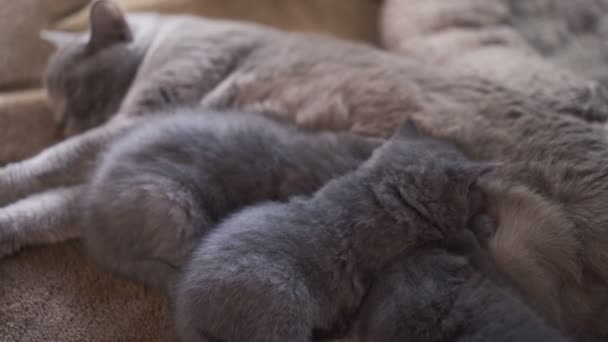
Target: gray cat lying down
x,y
549,198
156,191
449,295
279,271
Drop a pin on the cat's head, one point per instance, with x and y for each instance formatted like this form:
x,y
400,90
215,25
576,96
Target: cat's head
x,y
89,73
416,174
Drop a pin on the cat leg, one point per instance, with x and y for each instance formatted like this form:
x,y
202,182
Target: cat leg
x,y
43,218
328,113
182,72
64,164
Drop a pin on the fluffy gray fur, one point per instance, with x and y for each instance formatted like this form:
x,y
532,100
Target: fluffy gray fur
x,y
439,296
160,188
280,271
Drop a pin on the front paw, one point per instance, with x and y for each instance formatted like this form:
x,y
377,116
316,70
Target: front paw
x,y
7,186
9,237
484,227
594,103
9,243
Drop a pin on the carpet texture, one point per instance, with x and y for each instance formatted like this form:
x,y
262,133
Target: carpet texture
x,y
54,293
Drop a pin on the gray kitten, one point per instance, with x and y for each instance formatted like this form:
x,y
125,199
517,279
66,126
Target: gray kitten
x,y
280,271
160,188
441,296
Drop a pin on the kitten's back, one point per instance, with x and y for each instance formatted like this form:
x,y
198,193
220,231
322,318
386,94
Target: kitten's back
x,y
163,186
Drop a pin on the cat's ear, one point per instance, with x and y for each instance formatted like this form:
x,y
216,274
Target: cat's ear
x,y
408,130
109,25
58,38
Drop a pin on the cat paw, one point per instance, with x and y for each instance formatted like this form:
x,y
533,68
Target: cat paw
x,y
483,226
593,103
7,195
9,243
464,243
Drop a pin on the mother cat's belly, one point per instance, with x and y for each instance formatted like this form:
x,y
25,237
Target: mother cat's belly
x,y
548,248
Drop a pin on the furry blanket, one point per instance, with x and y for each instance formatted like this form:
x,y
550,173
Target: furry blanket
x,y
53,293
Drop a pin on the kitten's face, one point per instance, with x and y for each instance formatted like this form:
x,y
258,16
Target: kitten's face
x,y
429,177
89,74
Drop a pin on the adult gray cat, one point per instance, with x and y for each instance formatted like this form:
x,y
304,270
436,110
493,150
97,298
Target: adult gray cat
x,y
160,188
549,198
279,271
441,296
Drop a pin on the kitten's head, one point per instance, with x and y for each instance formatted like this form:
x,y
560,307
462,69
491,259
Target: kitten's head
x,y
415,174
89,74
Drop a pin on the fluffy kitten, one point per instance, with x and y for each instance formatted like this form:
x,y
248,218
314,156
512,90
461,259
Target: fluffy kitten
x,y
439,296
279,271
549,198
162,186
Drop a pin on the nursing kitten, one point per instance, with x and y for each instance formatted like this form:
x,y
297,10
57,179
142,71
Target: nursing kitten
x,y
549,199
440,296
280,271
164,185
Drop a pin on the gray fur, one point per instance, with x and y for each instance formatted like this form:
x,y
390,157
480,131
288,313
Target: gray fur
x,y
439,296
280,271
163,186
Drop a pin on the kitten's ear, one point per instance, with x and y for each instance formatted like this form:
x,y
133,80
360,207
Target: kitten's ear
x,y
58,38
409,130
109,25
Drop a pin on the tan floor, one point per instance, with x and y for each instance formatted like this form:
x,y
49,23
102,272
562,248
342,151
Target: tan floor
x,y
54,294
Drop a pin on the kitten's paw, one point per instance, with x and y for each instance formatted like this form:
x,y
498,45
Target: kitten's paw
x,y
7,186
464,243
9,243
483,226
593,103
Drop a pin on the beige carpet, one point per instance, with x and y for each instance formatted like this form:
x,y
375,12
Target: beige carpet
x,y
54,294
